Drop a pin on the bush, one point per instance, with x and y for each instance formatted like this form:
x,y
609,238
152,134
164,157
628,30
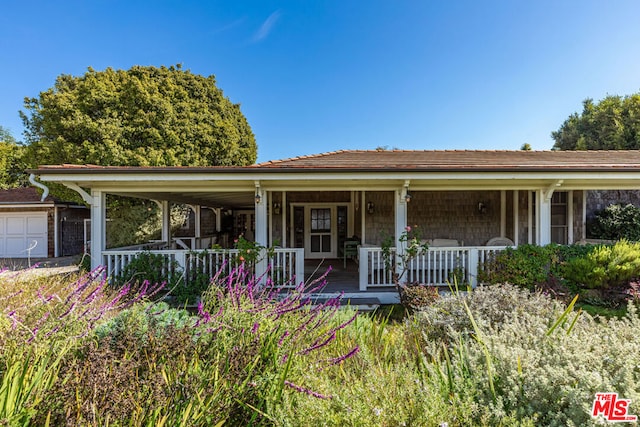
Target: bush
x,y
605,266
149,267
417,296
617,222
530,266
518,365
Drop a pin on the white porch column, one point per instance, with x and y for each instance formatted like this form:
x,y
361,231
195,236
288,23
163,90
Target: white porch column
x,y
503,213
98,227
166,222
198,223
543,217
218,212
401,222
261,233
516,216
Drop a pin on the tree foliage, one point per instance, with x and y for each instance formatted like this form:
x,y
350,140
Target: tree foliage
x,y
144,116
12,161
611,124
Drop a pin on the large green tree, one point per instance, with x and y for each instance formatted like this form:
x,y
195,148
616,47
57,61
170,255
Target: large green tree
x,y
611,124
12,162
144,116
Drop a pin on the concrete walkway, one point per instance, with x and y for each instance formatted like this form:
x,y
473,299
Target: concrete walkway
x,y
42,266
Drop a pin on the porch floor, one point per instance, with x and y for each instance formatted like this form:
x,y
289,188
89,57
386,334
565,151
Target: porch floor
x,y
339,279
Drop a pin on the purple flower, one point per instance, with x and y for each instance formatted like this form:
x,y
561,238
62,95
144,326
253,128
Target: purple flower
x,y
306,390
318,344
344,357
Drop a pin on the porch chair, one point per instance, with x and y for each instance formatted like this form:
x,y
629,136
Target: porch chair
x,y
500,241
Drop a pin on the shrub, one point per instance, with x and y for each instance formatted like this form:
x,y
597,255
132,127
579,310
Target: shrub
x,y
149,267
527,359
605,266
530,266
417,296
235,362
527,266
617,222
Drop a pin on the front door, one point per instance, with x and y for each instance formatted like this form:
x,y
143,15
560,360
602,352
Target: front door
x,y
320,235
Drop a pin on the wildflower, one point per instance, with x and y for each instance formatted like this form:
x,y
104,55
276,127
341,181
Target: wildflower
x,y
344,357
306,390
281,340
377,411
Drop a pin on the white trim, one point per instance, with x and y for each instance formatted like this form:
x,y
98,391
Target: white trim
x,y
543,205
516,217
390,177
166,221
401,209
75,187
98,227
333,206
35,205
363,217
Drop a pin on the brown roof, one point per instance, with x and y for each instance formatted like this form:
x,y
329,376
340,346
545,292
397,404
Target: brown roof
x,y
462,160
408,160
23,195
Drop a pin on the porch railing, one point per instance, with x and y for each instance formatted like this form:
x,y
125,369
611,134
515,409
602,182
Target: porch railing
x,y
437,266
286,265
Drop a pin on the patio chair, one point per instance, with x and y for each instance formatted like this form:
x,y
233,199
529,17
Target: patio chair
x,y
500,241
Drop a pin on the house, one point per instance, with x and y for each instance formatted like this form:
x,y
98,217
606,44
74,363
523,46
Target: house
x,y
467,204
37,227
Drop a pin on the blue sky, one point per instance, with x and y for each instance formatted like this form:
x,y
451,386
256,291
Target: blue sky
x,y
316,76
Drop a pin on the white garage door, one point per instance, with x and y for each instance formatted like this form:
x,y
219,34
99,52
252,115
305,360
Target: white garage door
x,y
22,230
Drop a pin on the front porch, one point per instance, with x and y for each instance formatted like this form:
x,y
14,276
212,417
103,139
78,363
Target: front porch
x,y
343,206
367,276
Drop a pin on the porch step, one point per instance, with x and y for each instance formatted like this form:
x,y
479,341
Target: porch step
x,y
358,303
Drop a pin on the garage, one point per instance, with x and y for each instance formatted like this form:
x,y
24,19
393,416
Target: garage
x,y
23,234
37,228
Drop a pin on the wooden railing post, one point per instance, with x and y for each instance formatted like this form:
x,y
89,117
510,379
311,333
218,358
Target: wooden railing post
x,y
473,266
363,267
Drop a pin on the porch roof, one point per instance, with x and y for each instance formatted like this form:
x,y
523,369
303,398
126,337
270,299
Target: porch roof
x,y
234,186
404,160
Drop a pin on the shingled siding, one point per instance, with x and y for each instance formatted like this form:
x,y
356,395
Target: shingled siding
x,y
381,223
455,215
598,200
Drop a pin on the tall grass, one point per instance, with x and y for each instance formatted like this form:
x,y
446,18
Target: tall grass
x,y
75,352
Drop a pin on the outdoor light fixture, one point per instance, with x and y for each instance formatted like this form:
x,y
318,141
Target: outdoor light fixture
x,y
482,208
370,207
407,197
276,208
258,198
